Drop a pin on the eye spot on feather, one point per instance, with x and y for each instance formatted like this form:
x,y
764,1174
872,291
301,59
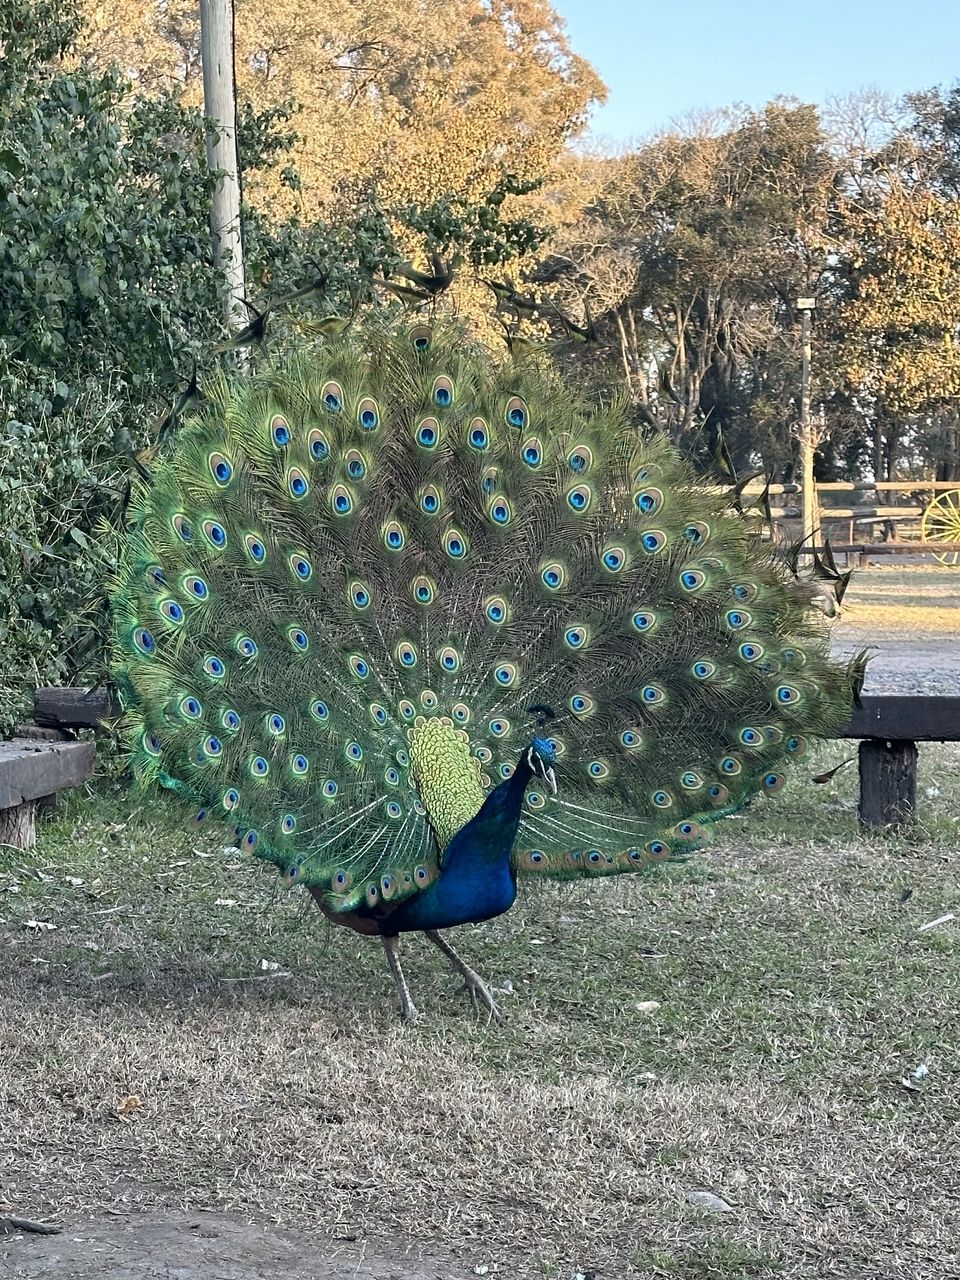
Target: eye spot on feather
x,y
773,782
182,527
427,433
171,611
391,777
393,811
614,558
407,654
319,711
515,412
368,414
499,727
423,589
787,695
275,724
631,739
535,858
215,534
580,459
662,799
500,511
378,714
719,794
150,743
478,434
341,500
196,588
231,798
259,767
535,800
653,695
531,452
653,540
246,647
249,842
255,548
576,637
751,737
353,752
496,610
155,577
598,770
430,500
797,744
691,780
449,658
750,651
213,667
460,713
657,850
794,657
318,445
643,620
692,579
455,544
553,575
443,391
648,501
506,770
483,754
230,720
212,747
737,619
279,431
359,666
298,638
745,592
703,669
506,674
579,498
221,468
582,705
356,464
394,536
191,707
358,593
408,711
330,788
288,824
297,483
697,532
594,856
688,831
421,337
730,766
428,700
300,566
300,764
331,397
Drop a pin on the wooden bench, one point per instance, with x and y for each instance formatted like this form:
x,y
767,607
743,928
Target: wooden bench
x,y
45,758
889,729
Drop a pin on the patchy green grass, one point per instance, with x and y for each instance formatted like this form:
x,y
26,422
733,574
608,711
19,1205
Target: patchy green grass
x,y
190,1034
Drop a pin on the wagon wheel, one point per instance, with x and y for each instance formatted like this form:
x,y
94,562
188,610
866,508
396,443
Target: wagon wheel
x,y
941,523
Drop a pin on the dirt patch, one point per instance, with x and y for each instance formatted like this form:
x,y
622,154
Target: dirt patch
x,y
185,1246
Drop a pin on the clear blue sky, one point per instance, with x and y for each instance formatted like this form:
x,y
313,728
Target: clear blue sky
x,y
660,61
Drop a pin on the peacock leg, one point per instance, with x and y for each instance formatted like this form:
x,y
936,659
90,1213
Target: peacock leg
x,y
407,1007
478,989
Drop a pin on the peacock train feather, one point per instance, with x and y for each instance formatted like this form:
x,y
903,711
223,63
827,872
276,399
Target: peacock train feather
x,y
367,579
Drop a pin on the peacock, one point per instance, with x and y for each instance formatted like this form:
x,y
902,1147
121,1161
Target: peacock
x,y
422,624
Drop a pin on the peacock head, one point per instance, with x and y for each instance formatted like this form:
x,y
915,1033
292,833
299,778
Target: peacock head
x,y
541,757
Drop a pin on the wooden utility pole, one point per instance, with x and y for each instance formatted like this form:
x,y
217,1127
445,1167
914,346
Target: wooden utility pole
x,y
810,518
220,106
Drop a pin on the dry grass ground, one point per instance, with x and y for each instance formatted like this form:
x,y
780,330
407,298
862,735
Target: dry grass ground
x,y
743,1025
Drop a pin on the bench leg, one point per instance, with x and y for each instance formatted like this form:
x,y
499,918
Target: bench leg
x,y
888,782
18,825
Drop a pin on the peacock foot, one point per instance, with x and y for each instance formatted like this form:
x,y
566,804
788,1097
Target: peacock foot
x,y
479,994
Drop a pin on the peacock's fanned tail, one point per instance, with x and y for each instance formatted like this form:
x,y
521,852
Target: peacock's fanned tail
x,y
365,579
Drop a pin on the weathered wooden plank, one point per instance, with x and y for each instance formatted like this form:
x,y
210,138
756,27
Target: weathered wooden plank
x,y
888,783
31,769
18,826
73,708
887,548
905,717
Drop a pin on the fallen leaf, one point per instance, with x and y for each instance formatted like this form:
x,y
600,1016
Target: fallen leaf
x,y
127,1105
707,1200
40,926
647,1006
225,902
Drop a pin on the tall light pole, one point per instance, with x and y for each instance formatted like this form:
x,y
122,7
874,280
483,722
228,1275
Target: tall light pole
x,y
810,520
220,106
